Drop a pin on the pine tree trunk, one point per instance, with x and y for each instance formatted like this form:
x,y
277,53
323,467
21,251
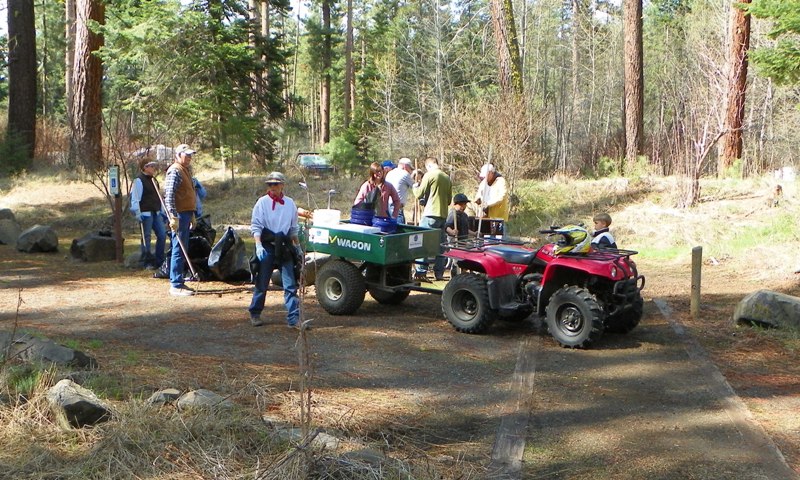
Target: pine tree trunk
x,y
325,87
737,87
634,80
87,116
22,78
348,66
508,57
69,7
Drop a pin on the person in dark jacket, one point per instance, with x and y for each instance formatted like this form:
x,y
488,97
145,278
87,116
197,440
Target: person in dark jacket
x,y
602,238
274,228
146,207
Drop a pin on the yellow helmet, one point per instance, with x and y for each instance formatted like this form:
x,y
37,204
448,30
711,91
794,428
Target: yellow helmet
x,y
574,239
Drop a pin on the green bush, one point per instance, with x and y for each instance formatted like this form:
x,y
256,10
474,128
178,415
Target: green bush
x,y
342,153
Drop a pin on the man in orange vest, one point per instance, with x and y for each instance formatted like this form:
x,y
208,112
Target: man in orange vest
x,y
179,197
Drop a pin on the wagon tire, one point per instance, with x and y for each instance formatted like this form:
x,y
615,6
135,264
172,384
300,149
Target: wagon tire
x,y
340,287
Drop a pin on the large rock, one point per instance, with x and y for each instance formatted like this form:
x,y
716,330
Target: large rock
x,y
768,309
38,238
9,231
77,405
202,398
94,247
41,350
7,214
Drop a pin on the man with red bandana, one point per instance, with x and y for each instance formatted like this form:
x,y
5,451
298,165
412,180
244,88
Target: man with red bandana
x,y
274,228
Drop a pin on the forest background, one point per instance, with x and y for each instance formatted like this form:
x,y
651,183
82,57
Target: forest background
x,y
578,87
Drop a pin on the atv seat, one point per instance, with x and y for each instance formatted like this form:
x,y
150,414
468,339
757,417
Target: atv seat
x,y
512,254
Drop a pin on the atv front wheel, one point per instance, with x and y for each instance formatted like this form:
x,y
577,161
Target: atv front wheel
x,y
465,303
340,287
628,319
574,318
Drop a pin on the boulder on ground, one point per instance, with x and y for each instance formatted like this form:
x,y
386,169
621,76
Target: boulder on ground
x,y
94,247
41,350
9,231
202,398
164,397
7,214
134,260
38,238
77,405
769,309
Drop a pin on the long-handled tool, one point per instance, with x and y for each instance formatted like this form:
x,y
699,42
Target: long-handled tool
x,y
177,236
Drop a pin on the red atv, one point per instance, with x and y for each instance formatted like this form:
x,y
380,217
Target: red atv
x,y
582,290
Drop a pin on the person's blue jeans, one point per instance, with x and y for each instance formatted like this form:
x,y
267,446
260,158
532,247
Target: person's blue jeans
x,y
177,259
440,262
401,217
153,223
290,298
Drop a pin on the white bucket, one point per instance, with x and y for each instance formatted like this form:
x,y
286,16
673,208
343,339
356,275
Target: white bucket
x,y
327,217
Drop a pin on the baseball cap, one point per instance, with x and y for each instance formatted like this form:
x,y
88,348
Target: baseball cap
x,y
460,198
485,170
405,161
183,148
388,163
275,177
152,163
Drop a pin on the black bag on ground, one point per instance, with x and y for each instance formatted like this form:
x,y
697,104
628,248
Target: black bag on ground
x,y
228,258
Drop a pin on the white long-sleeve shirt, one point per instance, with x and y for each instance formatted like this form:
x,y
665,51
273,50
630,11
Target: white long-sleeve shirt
x,y
281,219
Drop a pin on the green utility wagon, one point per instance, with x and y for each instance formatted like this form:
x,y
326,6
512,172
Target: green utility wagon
x,y
363,260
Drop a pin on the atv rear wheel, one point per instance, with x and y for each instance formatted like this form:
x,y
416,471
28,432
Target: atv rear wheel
x,y
340,287
465,303
574,317
628,319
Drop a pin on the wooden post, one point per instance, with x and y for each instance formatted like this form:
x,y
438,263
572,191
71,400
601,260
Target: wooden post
x,y
118,227
697,265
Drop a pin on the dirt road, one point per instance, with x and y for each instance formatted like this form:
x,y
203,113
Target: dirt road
x,y
507,404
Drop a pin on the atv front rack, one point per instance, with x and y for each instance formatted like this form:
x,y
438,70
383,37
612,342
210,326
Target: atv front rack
x,y
478,244
604,254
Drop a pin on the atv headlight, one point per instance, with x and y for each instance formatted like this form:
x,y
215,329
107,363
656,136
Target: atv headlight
x,y
614,271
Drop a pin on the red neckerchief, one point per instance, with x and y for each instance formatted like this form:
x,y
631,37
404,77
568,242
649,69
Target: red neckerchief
x,y
275,198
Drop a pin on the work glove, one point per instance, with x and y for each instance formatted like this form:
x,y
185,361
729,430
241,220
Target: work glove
x,y
138,216
261,252
173,224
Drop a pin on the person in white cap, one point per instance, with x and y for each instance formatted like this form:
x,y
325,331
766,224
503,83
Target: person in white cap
x,y
400,178
274,228
179,199
146,207
492,196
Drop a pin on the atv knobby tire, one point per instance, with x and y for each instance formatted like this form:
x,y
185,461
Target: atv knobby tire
x,y
388,297
340,287
628,319
574,317
465,303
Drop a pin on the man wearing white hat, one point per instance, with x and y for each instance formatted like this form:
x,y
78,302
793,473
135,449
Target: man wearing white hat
x,y
400,178
492,196
179,199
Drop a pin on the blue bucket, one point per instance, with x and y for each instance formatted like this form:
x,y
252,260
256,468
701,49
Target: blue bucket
x,y
386,224
361,217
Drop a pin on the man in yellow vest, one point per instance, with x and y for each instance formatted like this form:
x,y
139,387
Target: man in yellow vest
x,y
492,196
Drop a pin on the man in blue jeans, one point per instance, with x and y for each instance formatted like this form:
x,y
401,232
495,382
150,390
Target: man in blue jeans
x,y
274,228
179,199
146,207
436,188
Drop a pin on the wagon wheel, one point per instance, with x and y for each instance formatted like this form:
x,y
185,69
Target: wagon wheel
x,y
340,287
